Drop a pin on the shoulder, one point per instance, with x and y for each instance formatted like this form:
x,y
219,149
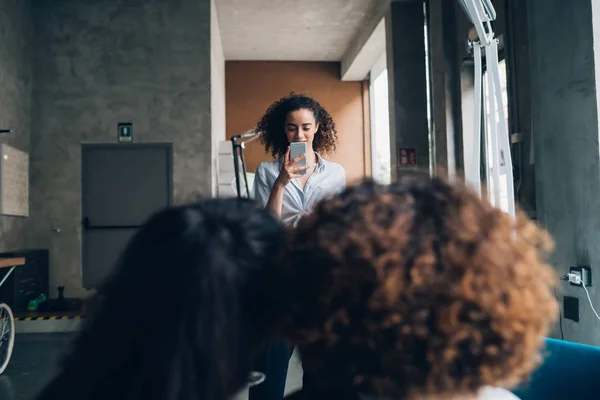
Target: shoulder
x,y
336,172
267,168
334,167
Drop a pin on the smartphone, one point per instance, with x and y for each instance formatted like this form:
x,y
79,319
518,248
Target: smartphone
x,y
297,148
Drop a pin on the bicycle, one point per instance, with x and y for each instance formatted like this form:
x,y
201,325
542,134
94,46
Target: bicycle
x,y
7,320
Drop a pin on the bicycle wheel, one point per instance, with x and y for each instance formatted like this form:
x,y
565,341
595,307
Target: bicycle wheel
x,y
7,335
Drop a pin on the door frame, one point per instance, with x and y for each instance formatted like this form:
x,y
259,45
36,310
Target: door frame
x,y
85,147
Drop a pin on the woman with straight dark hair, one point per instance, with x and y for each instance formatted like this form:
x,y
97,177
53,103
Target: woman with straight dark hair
x,y
185,310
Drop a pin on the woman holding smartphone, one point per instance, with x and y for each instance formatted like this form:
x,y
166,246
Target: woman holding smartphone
x,y
290,186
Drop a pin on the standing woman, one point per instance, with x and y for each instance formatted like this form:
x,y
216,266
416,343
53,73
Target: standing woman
x,y
280,186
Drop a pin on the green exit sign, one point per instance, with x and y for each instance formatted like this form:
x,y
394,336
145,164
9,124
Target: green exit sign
x,y
125,132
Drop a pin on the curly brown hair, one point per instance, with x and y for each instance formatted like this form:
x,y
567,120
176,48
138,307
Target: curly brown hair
x,y
272,125
418,289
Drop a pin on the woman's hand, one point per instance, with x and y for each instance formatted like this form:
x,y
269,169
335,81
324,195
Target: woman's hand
x,y
287,173
288,170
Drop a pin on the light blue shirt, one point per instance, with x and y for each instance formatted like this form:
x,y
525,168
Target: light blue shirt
x,y
327,179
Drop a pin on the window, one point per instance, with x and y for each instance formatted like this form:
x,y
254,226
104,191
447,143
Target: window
x,y
381,151
503,88
430,136
380,122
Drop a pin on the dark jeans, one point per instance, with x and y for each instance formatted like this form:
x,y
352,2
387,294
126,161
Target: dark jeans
x,y
274,364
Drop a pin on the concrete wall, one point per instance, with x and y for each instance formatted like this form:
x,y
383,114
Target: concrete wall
x,y
565,129
217,89
98,63
520,110
366,47
15,98
405,41
445,85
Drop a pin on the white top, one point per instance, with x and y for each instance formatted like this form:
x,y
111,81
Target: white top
x,y
327,179
494,393
486,393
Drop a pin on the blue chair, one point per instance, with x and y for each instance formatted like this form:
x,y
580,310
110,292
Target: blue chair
x,y
570,371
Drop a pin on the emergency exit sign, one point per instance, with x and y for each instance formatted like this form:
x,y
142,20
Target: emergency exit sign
x,y
407,156
125,131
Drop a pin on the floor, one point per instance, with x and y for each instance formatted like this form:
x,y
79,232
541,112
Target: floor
x,y
35,357
32,365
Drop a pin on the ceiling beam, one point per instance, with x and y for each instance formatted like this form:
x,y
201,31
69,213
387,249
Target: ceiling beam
x,y
366,47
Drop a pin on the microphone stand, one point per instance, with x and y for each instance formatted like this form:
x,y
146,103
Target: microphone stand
x,y
238,143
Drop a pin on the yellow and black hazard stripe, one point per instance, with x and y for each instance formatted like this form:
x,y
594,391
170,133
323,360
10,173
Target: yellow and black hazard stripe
x,y
49,318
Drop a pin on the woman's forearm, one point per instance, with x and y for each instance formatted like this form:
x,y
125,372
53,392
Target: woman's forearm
x,y
275,202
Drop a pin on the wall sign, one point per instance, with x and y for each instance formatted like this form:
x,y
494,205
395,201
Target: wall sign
x,y
14,181
407,156
125,132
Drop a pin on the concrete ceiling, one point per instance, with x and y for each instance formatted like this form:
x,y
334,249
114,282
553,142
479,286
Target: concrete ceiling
x,y
291,30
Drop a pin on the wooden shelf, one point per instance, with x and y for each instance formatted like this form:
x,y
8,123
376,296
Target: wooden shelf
x,y
11,262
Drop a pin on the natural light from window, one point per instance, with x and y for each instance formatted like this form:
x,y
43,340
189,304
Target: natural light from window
x,y
380,123
503,178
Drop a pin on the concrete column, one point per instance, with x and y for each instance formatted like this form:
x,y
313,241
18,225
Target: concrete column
x,y
565,128
405,30
445,85
16,43
517,44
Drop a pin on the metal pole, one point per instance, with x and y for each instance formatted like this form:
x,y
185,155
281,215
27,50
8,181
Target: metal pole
x,y
236,167
481,13
7,275
244,170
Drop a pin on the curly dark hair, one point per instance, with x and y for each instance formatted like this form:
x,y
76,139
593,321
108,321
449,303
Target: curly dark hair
x,y
272,125
418,289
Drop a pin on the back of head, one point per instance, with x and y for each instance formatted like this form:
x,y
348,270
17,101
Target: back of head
x,y
418,289
184,309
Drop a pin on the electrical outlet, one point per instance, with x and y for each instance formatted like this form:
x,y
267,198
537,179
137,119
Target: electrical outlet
x,y
579,276
571,308
575,278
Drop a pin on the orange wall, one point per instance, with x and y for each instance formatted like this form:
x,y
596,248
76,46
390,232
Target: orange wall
x,y
251,86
